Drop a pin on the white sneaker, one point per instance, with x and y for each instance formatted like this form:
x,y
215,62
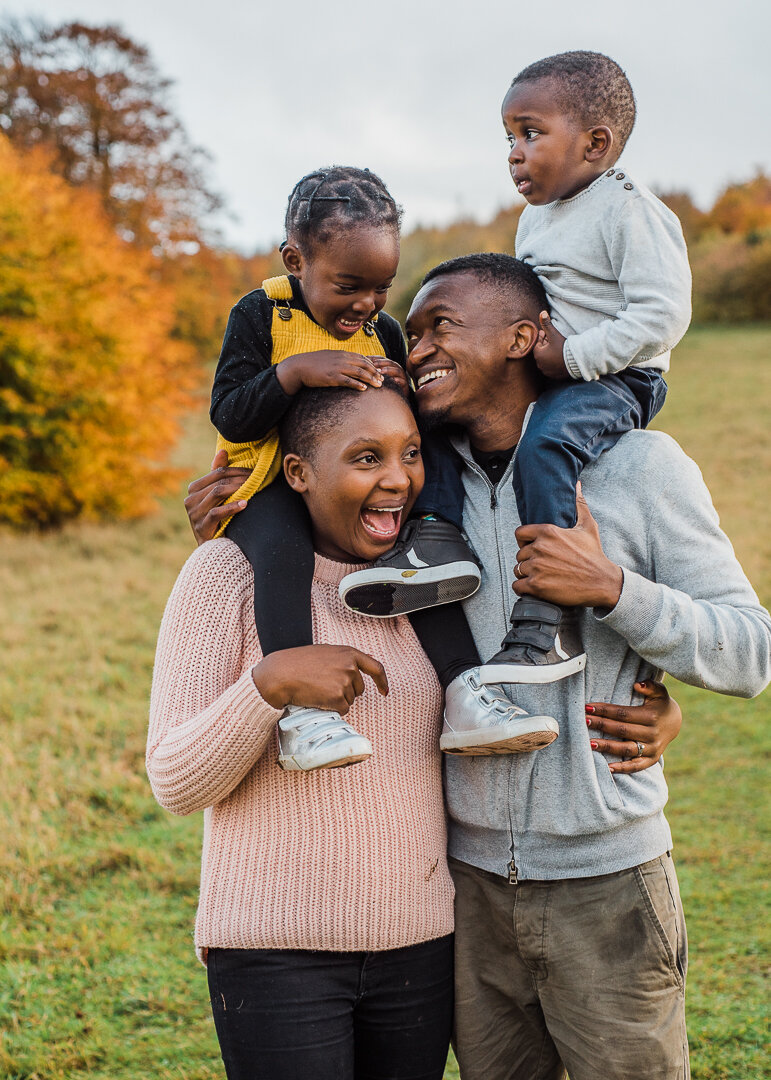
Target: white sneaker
x,y
480,719
318,739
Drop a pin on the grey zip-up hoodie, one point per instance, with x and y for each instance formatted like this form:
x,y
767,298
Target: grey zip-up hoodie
x,y
686,607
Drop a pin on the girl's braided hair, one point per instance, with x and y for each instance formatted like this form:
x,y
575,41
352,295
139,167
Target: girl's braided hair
x,y
357,196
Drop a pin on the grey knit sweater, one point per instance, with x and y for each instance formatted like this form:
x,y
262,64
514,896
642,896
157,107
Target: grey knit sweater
x,y
686,608
615,268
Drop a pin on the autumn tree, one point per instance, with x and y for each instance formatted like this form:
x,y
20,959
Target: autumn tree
x,y
96,100
91,385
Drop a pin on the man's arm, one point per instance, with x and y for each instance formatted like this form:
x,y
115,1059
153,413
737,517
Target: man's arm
x,y
700,619
696,616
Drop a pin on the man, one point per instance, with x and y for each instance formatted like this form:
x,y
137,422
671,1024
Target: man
x,y
570,939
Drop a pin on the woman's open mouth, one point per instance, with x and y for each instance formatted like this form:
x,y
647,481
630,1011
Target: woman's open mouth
x,y
382,523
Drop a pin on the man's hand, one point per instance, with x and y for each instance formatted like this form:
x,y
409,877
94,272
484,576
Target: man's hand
x,y
637,733
324,676
390,369
328,367
205,498
548,349
567,566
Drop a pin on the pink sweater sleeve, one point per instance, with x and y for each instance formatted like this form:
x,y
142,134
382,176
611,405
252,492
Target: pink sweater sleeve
x,y
208,722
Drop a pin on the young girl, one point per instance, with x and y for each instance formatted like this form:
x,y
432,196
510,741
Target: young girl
x,y
322,325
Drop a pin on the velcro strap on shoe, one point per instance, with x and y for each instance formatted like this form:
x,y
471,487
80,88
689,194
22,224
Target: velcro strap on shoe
x,y
536,611
529,635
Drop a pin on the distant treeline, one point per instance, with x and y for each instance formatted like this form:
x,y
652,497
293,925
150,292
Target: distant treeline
x,y
114,289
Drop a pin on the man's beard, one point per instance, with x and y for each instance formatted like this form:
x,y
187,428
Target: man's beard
x,y
438,418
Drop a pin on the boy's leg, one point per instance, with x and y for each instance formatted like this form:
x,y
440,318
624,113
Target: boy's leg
x,y
570,426
274,533
478,720
431,563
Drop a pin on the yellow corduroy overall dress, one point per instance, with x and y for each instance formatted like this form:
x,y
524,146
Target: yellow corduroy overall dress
x,y
292,332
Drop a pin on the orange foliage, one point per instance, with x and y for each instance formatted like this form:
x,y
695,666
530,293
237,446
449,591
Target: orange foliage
x,y
743,208
91,385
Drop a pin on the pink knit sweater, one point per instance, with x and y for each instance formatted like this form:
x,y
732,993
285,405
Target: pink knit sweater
x,y
340,859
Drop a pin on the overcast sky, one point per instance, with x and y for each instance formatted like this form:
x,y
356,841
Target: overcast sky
x,y
412,89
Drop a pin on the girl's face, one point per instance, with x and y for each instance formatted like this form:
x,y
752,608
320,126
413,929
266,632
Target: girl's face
x,y
345,280
363,476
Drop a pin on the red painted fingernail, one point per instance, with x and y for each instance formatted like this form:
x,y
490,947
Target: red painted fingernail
x,y
590,708
588,722
593,744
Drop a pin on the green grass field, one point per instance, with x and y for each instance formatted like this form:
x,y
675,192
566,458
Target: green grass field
x,y
98,884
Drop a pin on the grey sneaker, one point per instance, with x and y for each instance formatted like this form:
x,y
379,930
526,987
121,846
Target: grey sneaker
x,y
481,720
430,564
317,739
542,646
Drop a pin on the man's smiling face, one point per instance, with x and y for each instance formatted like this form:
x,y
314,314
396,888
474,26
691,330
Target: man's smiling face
x,y
459,339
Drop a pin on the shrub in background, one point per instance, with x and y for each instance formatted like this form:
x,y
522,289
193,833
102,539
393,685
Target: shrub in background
x,y
91,383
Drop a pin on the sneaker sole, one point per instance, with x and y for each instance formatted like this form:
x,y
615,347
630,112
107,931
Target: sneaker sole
x,y
541,731
382,593
531,673
291,764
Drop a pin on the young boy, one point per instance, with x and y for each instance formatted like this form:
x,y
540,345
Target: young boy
x,y
614,265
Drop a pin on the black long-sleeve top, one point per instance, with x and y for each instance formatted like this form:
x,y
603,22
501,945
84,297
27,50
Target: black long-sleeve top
x,y
247,399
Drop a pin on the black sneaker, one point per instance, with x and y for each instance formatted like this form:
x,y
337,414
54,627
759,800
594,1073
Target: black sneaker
x,y
542,646
430,564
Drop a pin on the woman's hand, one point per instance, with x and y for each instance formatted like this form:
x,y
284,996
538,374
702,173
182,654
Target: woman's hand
x,y
328,367
320,676
206,496
653,725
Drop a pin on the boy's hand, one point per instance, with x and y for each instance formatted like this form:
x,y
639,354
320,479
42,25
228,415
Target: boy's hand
x,y
548,350
206,496
328,367
393,371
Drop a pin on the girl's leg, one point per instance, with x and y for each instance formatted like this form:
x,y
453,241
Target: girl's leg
x,y
284,1014
274,534
403,1017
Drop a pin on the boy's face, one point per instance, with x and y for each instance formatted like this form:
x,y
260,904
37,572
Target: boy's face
x,y
551,157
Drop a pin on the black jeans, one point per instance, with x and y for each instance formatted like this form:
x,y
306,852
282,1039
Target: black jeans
x,y
285,1014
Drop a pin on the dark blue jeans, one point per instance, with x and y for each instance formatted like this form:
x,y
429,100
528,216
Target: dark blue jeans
x,y
571,425
298,1015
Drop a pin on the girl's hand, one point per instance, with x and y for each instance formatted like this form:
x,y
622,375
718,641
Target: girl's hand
x,y
392,370
653,725
328,367
548,350
320,676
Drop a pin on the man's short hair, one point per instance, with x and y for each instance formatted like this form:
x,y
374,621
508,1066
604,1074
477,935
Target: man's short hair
x,y
591,88
513,280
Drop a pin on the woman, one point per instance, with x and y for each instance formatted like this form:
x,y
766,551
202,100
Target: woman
x,y
325,915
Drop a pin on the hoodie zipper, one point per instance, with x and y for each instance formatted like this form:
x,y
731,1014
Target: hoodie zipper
x,y
513,876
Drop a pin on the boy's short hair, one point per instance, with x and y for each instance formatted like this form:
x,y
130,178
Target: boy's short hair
x,y
507,276
589,86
